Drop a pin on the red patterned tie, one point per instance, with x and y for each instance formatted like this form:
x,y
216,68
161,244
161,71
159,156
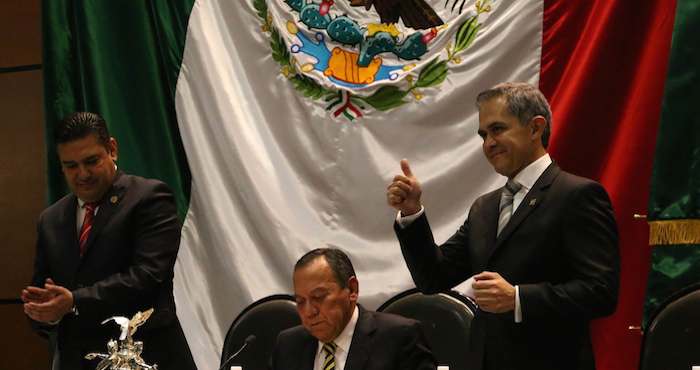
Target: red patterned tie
x,y
87,226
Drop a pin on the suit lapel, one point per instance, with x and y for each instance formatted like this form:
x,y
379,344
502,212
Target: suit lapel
x,y
69,228
107,206
488,218
361,341
308,357
532,200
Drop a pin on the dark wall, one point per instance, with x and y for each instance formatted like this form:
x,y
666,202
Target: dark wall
x,y
22,176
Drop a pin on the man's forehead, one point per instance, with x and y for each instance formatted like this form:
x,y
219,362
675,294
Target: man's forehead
x,y
310,287
496,104
81,148
312,277
493,111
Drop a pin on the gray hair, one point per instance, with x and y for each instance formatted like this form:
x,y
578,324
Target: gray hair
x,y
523,101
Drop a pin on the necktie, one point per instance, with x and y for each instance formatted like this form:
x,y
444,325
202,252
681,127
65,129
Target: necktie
x,y
506,206
329,361
87,226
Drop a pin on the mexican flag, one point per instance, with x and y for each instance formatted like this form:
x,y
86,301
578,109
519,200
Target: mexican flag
x,y
279,124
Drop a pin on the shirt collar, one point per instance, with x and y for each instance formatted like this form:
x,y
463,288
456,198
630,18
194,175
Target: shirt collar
x,y
529,175
345,338
81,204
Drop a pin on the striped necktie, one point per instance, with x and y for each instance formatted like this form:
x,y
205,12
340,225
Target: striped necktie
x,y
506,206
87,226
329,350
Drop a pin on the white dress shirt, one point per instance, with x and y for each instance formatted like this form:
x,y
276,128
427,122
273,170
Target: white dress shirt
x,y
527,178
342,341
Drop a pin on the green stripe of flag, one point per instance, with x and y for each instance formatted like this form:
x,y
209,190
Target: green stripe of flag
x,y
120,59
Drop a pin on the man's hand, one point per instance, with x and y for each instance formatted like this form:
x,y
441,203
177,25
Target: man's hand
x,y
36,294
49,304
493,293
404,192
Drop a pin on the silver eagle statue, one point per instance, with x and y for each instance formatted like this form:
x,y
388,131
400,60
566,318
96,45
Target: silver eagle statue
x,y
124,354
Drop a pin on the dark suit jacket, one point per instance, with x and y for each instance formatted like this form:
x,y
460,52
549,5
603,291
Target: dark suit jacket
x,y
128,267
560,247
381,341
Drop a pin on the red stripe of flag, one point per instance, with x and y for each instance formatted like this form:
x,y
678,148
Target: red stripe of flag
x,y
603,70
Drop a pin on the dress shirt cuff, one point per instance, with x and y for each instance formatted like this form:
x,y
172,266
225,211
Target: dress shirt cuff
x,y
405,221
518,310
73,310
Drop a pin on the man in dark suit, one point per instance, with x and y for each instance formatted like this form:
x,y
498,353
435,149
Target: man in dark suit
x,y
336,332
107,249
542,251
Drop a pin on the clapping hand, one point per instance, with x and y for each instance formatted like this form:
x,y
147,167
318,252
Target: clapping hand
x,y
48,304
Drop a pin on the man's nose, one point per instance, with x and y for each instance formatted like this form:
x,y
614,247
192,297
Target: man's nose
x,y
83,172
309,310
489,141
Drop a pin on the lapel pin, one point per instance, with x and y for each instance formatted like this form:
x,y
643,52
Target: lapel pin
x,y
533,201
114,199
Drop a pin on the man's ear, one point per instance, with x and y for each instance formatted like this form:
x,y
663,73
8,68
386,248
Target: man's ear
x,y
113,148
537,124
354,287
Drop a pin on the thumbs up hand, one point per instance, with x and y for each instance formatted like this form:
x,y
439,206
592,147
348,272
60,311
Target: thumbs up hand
x,y
404,191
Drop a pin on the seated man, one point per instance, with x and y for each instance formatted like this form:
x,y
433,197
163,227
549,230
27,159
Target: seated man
x,y
336,332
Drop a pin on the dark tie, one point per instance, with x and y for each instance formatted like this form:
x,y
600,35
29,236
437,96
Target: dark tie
x,y
506,206
329,361
87,226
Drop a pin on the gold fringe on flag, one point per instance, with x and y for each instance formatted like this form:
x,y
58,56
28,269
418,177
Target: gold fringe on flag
x,y
671,232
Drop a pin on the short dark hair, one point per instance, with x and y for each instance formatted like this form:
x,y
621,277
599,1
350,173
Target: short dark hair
x,y
523,101
338,261
78,125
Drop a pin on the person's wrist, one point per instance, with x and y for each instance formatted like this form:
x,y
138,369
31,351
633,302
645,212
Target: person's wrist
x,y
72,309
409,211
